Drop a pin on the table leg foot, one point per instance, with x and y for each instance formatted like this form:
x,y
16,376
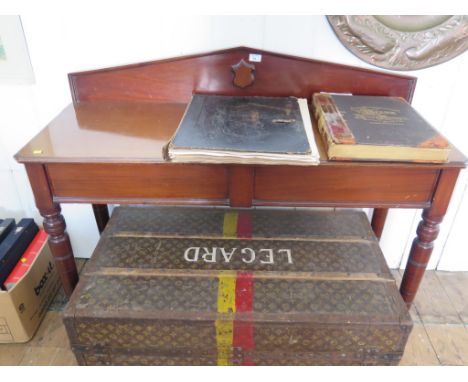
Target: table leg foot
x,y
421,250
427,232
59,242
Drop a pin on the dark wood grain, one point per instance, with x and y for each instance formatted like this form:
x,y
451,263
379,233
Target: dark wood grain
x,y
241,186
362,186
175,79
138,181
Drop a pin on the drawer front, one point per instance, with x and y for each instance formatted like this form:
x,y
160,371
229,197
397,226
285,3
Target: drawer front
x,y
120,182
342,185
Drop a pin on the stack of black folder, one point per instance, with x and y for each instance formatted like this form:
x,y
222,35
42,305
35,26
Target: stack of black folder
x,y
14,239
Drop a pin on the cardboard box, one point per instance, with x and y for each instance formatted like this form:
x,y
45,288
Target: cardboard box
x,y
23,307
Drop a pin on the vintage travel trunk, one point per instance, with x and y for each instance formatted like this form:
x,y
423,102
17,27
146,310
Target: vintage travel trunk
x,y
212,286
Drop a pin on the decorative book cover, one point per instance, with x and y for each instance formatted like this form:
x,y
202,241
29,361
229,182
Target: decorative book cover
x,y
376,128
244,129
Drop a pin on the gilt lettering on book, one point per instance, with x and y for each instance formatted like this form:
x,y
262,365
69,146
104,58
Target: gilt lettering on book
x,y
376,128
225,129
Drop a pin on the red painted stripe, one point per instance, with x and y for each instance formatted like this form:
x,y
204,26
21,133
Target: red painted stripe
x,y
244,226
243,330
244,295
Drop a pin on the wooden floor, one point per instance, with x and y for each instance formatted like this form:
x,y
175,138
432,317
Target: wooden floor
x,y
439,337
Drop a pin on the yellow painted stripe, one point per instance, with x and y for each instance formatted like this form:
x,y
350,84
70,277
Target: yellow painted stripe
x,y
227,292
226,299
224,326
230,224
224,335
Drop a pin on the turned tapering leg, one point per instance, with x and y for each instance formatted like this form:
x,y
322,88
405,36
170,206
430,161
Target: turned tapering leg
x,y
427,232
378,221
101,214
54,225
59,242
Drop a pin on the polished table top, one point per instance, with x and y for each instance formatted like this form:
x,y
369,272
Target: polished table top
x,y
131,132
105,132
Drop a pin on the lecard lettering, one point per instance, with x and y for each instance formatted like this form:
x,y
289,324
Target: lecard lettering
x,y
227,255
209,256
269,256
191,254
250,251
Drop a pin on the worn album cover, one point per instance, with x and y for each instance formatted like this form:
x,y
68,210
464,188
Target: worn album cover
x,y
228,128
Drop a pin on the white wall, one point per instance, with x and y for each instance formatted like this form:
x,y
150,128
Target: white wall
x,y
61,45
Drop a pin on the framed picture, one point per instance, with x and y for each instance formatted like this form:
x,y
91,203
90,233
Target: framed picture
x,y
15,64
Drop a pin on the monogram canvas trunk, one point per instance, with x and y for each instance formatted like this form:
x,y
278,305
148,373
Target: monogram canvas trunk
x,y
212,286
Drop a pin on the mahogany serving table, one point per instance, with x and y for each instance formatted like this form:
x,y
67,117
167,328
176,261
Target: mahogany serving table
x,y
106,148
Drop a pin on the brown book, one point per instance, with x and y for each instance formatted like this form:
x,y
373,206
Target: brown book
x,y
376,128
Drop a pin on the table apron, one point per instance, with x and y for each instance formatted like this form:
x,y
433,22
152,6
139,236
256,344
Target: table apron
x,y
347,186
360,186
85,182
